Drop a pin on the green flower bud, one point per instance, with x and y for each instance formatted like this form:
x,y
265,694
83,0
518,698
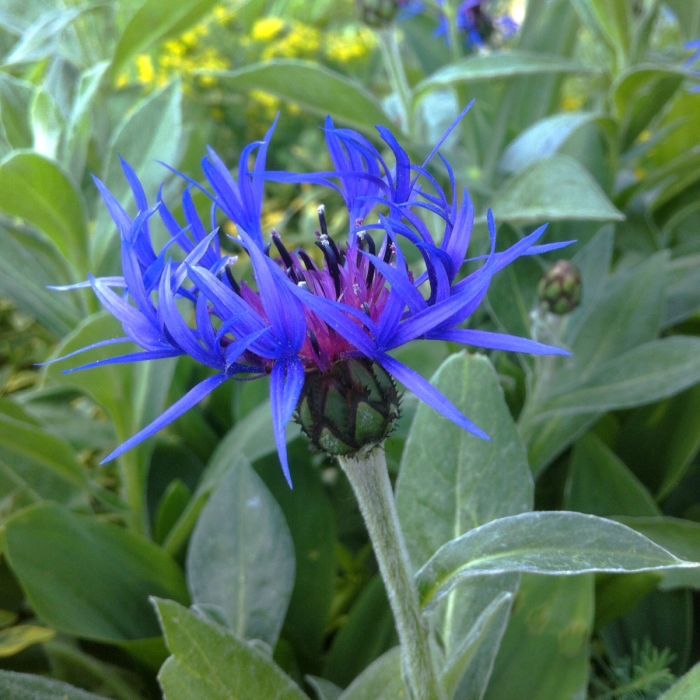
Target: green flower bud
x,y
378,13
560,288
352,406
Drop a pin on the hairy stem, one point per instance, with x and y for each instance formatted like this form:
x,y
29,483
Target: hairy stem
x,y
369,479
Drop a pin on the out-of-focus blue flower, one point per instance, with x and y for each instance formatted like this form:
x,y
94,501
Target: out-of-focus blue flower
x,y
299,314
475,24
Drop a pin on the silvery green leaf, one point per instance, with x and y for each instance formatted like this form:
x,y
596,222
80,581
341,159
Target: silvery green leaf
x,y
241,557
557,543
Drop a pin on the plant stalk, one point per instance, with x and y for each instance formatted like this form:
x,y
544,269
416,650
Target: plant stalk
x,y
369,478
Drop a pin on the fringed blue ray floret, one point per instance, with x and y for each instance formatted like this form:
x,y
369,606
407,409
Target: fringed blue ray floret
x,y
301,316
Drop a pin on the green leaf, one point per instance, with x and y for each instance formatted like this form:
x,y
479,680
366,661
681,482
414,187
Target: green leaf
x,y
15,639
171,506
312,525
41,38
108,601
543,139
15,98
352,651
637,95
313,87
380,681
28,686
48,124
209,662
653,371
35,189
451,482
155,21
554,543
151,132
686,688
325,690
446,484
497,65
681,537
34,464
468,671
545,651
554,189
240,561
601,484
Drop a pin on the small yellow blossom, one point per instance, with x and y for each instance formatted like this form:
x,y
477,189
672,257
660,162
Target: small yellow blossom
x,y
572,103
267,28
223,15
349,46
144,69
271,219
122,80
230,228
644,136
175,47
265,99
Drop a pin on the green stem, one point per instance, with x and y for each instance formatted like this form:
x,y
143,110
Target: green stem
x,y
391,55
369,479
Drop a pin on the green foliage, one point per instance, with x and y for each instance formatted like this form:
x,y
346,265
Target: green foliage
x,y
583,119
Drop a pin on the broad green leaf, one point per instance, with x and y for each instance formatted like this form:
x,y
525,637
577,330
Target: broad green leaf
x,y
15,98
545,653
468,671
601,484
380,681
685,688
108,601
313,87
497,65
27,262
543,139
171,506
35,465
29,686
451,482
553,189
152,132
554,543
682,537
653,371
155,21
35,189
15,639
240,561
209,662
683,292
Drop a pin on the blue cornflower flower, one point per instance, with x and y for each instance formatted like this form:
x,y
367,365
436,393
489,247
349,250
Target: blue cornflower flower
x,y
300,317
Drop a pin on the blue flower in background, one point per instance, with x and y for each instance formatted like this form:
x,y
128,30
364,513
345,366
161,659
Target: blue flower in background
x,y
300,314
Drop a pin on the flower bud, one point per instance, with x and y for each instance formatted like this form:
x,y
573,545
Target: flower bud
x,y
351,406
560,288
378,13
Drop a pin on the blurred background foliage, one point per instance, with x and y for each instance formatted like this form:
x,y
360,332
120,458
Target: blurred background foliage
x,y
585,117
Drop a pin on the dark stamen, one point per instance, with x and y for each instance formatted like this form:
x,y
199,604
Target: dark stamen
x,y
365,307
324,233
389,251
308,262
314,343
286,257
322,220
331,262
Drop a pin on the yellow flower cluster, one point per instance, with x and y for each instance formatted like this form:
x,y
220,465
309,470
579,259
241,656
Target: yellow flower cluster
x,y
350,45
301,41
182,57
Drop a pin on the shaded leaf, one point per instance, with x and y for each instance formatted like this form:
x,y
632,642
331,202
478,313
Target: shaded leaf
x,y
118,571
380,681
209,662
240,560
27,686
